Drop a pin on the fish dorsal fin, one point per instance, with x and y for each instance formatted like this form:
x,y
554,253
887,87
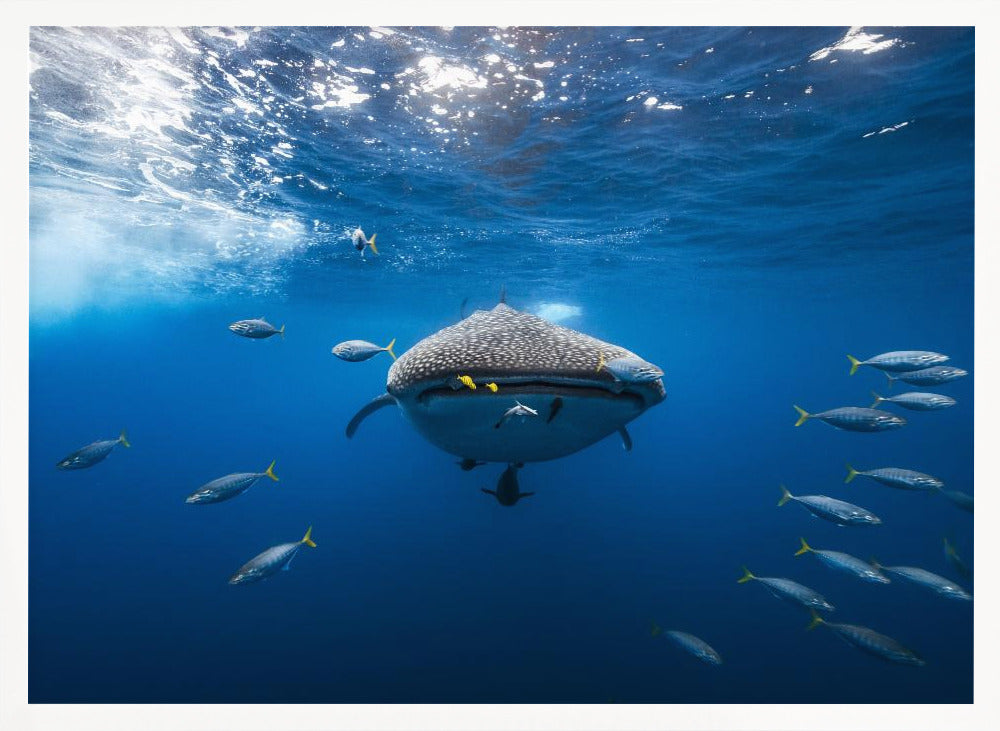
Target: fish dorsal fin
x,y
503,294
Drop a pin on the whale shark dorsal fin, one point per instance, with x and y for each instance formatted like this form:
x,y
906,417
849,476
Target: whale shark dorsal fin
x,y
503,294
367,410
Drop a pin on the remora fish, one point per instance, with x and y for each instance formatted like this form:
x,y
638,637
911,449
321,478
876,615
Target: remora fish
x,y
695,645
531,360
256,329
924,578
91,454
897,477
916,401
229,486
899,361
854,418
789,590
508,491
870,641
359,350
271,561
845,562
828,508
928,376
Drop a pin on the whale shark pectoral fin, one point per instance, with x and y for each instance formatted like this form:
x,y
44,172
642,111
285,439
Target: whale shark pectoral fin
x,y
370,408
626,439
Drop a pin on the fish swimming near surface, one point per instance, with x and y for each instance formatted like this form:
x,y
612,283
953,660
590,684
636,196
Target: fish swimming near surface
x,y
360,241
926,579
688,642
271,561
932,376
256,329
899,361
789,590
531,360
508,490
854,418
916,401
356,351
870,641
951,555
961,499
845,562
897,477
831,509
517,411
229,486
91,454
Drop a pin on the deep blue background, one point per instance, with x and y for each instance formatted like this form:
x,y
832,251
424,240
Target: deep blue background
x,y
744,245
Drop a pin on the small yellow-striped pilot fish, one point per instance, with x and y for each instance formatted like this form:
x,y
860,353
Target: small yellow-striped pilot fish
x,y
492,386
467,381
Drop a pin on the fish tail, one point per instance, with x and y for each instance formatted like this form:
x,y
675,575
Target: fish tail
x,y
654,630
854,364
785,496
281,332
371,244
851,473
123,440
307,538
388,348
816,620
747,576
805,547
878,399
803,415
270,471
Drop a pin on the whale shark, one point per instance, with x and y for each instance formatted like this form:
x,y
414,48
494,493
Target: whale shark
x,y
551,369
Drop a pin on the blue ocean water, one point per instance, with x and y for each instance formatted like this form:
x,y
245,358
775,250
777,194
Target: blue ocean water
x,y
741,206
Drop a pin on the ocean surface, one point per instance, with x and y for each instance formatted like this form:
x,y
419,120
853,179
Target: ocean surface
x,y
741,206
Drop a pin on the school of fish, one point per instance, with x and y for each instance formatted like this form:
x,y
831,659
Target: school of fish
x,y
922,368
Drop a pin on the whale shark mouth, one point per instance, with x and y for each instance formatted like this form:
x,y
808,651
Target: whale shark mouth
x,y
570,415
541,388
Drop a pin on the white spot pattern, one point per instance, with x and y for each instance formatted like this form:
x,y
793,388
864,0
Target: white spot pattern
x,y
502,342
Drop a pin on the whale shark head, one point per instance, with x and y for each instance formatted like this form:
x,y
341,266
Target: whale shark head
x,y
551,369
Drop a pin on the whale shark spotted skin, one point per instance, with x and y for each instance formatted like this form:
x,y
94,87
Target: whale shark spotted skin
x,y
532,361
